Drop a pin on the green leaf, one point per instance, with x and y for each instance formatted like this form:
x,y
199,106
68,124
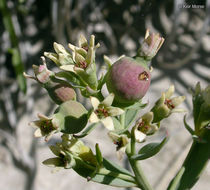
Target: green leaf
x,y
113,180
102,81
103,175
137,105
74,125
117,124
71,117
99,156
86,131
109,165
54,162
130,117
149,150
71,77
188,127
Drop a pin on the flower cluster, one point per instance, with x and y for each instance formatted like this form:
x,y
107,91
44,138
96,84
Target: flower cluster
x,y
127,80
149,123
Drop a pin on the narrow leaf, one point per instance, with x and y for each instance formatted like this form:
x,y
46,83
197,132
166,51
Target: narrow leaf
x,y
149,150
109,165
86,131
54,162
113,181
98,155
117,125
188,127
71,77
104,176
130,116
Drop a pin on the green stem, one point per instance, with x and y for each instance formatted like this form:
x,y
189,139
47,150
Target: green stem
x,y
141,180
16,56
139,175
193,165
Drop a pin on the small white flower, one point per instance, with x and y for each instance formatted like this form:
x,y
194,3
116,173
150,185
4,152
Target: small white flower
x,y
103,111
144,127
45,127
121,141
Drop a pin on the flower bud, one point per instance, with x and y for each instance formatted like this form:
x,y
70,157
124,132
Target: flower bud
x,y
59,90
151,45
61,57
42,74
166,105
129,79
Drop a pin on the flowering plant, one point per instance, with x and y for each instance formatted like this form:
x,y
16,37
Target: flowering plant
x,y
127,81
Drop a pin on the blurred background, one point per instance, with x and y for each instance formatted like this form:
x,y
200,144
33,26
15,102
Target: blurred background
x,y
29,27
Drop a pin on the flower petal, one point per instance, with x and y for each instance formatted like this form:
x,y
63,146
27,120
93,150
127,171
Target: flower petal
x,y
178,110
148,117
68,68
43,117
108,123
170,91
152,129
113,136
93,118
114,111
82,41
139,136
108,100
120,153
95,102
161,100
71,46
35,124
177,100
38,133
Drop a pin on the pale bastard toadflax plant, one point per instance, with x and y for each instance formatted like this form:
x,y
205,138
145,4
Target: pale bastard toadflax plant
x,y
127,81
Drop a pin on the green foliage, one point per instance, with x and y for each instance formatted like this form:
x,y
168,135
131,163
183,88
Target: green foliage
x,y
149,150
71,117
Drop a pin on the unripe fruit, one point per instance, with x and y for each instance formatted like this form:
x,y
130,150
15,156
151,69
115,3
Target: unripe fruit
x,y
128,79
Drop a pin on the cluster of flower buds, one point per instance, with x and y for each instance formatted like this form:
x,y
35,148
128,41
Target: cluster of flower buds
x,y
149,123
84,61
59,90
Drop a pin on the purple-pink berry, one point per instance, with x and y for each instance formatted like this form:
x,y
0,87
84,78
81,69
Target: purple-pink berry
x,y
129,80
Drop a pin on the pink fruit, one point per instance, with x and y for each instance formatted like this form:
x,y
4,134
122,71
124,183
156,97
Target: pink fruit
x,y
128,79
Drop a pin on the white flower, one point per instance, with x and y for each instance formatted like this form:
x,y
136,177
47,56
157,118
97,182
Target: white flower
x,y
144,127
103,111
121,141
45,127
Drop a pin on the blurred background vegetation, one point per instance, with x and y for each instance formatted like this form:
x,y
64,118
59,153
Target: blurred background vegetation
x,y
29,27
